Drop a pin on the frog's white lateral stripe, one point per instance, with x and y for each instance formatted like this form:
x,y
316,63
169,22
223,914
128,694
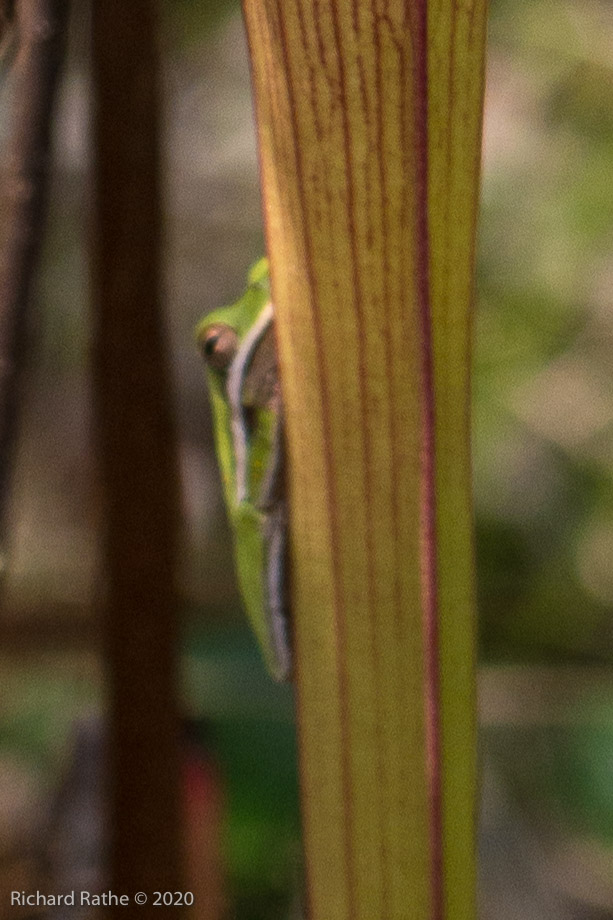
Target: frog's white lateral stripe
x,y
236,379
276,537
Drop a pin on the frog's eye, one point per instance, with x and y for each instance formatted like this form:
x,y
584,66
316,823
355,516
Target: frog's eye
x,y
219,344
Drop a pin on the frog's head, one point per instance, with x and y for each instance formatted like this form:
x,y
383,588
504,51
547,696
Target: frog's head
x,y
218,344
220,333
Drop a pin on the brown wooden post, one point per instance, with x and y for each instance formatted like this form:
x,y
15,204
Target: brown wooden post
x,y
137,453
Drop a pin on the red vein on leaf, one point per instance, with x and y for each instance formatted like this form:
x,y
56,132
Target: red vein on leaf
x,y
362,377
399,671
428,516
330,487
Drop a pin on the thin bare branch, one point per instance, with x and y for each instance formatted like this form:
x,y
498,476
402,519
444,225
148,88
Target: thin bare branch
x,y
40,30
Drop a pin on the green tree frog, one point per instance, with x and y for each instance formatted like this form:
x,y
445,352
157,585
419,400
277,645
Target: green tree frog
x,y
238,346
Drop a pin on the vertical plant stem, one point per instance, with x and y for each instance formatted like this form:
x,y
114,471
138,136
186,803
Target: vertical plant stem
x,y
39,28
369,129
137,448
456,62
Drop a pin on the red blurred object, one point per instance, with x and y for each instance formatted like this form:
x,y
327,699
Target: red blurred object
x,y
203,802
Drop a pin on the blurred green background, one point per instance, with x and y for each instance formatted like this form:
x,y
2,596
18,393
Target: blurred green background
x,y
543,464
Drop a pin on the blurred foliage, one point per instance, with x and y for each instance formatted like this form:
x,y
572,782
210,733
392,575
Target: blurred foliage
x,y
195,20
564,771
543,387
39,709
246,720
